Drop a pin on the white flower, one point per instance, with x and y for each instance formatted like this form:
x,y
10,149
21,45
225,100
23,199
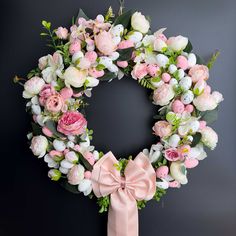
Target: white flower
x,y
198,152
105,61
113,68
154,153
32,87
199,87
43,61
217,96
159,45
76,56
148,40
185,83
96,155
92,82
54,174
63,170
135,36
36,109
173,82
55,66
140,23
188,124
66,164
117,30
178,172
162,60
51,163
71,157
59,145
163,184
192,60
209,137
181,73
39,145
116,40
177,43
172,68
85,186
114,56
205,102
187,97
174,140
74,77
76,174
70,144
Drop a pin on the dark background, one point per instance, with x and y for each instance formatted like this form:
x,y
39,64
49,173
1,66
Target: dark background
x,y
121,117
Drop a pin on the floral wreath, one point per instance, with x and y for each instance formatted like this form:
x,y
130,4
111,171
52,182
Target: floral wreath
x,y
106,48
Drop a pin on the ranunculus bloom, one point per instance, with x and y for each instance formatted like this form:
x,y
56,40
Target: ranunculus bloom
x,y
172,154
140,23
209,137
39,145
199,72
54,103
177,43
205,102
46,92
62,33
33,86
72,123
76,174
104,43
163,94
162,128
74,77
139,71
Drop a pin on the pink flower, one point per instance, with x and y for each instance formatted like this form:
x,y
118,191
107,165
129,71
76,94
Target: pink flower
x,y
189,108
84,63
199,72
166,77
87,174
139,71
76,174
66,93
55,154
104,43
46,92
122,64
96,73
184,151
191,163
62,33
205,102
177,106
89,157
91,56
182,62
72,123
172,154
162,172
174,184
75,47
47,131
153,70
202,124
162,128
54,103
126,44
163,94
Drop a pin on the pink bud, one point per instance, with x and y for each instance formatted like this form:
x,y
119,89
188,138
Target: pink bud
x,y
166,77
47,131
182,62
177,106
162,172
189,108
122,64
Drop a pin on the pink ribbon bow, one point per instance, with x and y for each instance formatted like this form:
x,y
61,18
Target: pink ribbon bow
x,y
138,183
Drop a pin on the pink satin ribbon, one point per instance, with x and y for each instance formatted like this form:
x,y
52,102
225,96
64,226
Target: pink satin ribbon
x,y
138,184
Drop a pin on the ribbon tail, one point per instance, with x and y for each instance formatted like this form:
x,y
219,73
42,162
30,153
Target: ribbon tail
x,y
122,215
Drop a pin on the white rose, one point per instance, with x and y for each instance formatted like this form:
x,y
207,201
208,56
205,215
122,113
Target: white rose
x,y
185,83
140,23
85,186
32,87
59,145
199,87
177,43
159,45
162,60
209,137
162,184
113,68
135,36
74,77
178,172
39,145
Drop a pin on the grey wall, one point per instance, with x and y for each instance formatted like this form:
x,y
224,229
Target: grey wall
x,y
121,115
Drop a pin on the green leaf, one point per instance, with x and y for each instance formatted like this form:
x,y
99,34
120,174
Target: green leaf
x,y
100,67
36,129
46,24
196,139
51,125
81,14
108,76
200,60
71,188
213,59
124,19
77,90
189,47
209,116
85,162
125,54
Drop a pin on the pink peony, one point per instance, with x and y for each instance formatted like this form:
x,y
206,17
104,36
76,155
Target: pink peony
x,y
139,71
163,94
172,154
72,123
46,92
104,43
199,72
75,47
62,33
162,128
54,103
205,102
125,44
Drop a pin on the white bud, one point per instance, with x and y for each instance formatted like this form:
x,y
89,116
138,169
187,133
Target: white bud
x,y
135,37
181,73
36,109
174,140
187,97
77,56
59,145
192,60
172,68
162,60
66,164
113,68
64,170
185,83
173,82
92,82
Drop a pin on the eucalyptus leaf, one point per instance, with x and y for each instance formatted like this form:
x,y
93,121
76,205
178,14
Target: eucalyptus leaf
x,y
124,19
209,116
77,90
51,125
71,188
108,76
85,162
36,129
196,139
200,60
189,47
81,14
125,54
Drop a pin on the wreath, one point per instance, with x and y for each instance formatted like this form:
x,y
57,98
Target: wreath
x,y
107,48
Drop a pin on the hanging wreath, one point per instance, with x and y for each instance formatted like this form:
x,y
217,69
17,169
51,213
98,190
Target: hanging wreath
x,y
107,48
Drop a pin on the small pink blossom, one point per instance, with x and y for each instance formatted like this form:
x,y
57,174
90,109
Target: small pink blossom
x,y
202,124
62,33
189,108
162,128
172,154
139,71
166,77
66,93
91,56
174,184
75,46
182,62
87,174
126,44
191,163
177,106
122,64
162,172
46,92
184,151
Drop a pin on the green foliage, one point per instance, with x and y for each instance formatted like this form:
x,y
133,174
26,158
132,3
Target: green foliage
x,y
108,76
209,116
47,25
36,129
103,203
159,194
196,139
109,15
189,47
49,33
60,84
146,83
213,59
160,162
34,72
51,125
125,54
120,166
124,19
71,188
141,204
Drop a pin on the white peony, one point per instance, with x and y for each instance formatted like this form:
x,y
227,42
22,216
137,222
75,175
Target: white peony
x,y
140,23
74,77
32,87
39,145
177,43
205,102
209,137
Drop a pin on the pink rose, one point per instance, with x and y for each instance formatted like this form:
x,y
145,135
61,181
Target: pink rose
x,y
91,56
126,44
66,93
75,47
104,43
139,71
89,157
172,154
162,128
72,123
199,72
182,62
177,106
54,103
122,64
96,73
62,33
46,92
163,94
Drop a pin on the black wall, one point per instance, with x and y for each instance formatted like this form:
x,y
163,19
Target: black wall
x,y
120,115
